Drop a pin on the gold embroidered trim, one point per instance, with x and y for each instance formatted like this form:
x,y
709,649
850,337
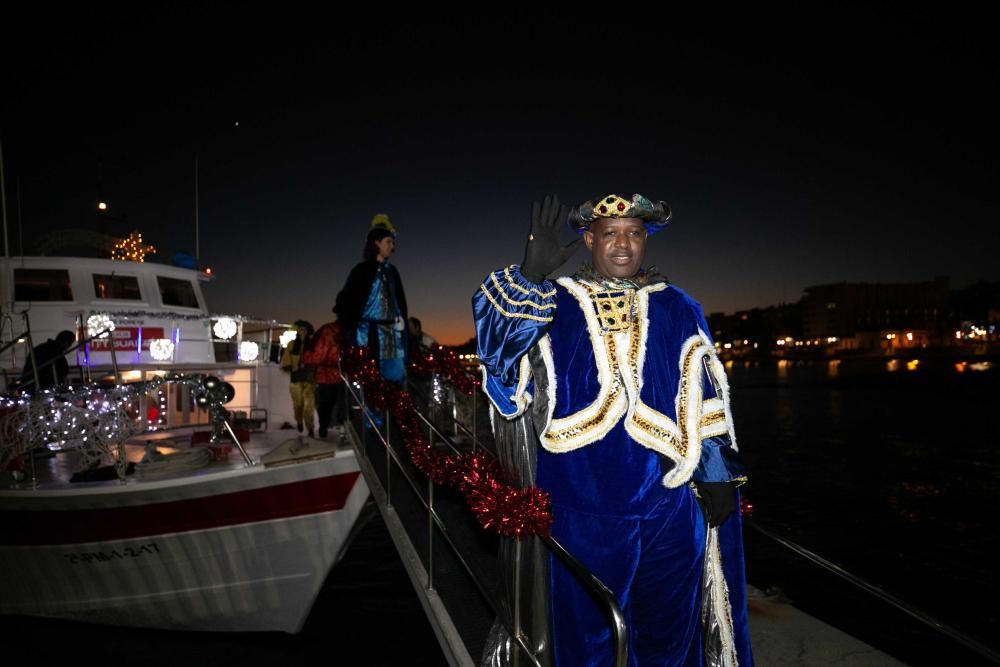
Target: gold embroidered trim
x,y
523,316
683,390
663,438
614,309
510,279
503,293
584,427
712,418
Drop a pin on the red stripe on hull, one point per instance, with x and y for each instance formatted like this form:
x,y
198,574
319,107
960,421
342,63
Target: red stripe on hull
x,y
324,494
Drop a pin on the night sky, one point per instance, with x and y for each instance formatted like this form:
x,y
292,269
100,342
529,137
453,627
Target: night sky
x,y
796,148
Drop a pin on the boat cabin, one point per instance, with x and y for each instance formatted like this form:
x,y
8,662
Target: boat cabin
x,y
157,312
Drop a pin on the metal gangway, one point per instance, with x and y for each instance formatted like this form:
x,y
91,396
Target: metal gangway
x,y
452,561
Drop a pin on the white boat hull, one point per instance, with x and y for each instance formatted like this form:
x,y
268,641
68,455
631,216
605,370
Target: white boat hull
x,y
238,550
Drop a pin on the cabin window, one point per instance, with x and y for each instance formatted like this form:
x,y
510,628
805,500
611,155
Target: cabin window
x,y
116,287
175,292
42,285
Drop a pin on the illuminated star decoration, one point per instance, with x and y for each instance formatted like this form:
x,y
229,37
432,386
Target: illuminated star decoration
x,y
132,249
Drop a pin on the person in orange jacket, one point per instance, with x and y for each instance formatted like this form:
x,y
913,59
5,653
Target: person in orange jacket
x,y
323,354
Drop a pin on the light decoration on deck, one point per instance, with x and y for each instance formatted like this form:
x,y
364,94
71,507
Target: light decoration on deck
x,y
132,249
161,349
287,337
224,328
99,323
97,420
249,351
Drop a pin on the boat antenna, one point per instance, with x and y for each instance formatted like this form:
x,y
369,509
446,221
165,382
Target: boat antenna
x,y
20,227
196,248
3,202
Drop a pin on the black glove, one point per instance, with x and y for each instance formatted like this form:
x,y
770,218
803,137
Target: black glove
x,y
543,254
717,501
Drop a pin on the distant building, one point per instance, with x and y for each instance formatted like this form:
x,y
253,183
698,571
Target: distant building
x,y
845,309
865,318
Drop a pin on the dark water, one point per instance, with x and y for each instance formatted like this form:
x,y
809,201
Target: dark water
x,y
366,614
889,469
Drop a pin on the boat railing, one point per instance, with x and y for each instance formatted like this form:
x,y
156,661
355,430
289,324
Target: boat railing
x,y
36,368
380,426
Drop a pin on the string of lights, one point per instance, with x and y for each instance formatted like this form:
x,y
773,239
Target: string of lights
x,y
96,419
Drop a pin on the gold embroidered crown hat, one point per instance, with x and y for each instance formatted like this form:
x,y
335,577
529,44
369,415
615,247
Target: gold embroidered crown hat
x,y
380,228
656,215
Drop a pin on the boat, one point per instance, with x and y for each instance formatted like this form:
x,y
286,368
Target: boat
x,y
226,523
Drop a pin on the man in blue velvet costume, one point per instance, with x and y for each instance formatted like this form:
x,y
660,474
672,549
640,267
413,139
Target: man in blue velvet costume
x,y
637,448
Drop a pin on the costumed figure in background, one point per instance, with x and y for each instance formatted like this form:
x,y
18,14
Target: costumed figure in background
x,y
303,377
323,355
421,342
374,304
613,374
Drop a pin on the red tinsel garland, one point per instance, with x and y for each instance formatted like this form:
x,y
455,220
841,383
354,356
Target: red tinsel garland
x,y
446,364
497,505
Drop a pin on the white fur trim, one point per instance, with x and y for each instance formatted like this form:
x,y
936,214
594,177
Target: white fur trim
x,y
605,378
720,599
689,389
522,397
719,373
545,347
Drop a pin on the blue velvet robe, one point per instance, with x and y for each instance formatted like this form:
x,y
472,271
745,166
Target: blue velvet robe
x,y
633,416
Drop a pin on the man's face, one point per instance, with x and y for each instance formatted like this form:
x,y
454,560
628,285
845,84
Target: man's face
x,y
386,247
617,246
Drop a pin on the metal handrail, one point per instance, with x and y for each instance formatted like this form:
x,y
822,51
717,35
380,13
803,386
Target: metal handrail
x,y
459,425
925,618
439,523
598,589
17,339
437,519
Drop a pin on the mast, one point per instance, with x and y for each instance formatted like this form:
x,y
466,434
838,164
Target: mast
x,y
196,241
3,202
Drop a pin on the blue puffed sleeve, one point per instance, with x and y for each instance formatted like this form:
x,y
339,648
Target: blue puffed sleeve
x,y
511,314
